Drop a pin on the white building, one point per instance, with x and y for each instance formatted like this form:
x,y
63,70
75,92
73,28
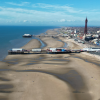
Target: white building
x,y
98,31
75,31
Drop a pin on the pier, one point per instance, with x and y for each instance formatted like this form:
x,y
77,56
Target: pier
x,y
44,52
50,35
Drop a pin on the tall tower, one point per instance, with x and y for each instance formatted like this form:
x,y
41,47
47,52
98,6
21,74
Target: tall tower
x,y
85,30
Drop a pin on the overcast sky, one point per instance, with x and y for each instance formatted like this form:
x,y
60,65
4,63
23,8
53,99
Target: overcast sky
x,y
49,12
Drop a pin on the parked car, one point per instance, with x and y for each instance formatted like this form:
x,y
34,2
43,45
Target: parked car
x,y
75,40
83,42
79,41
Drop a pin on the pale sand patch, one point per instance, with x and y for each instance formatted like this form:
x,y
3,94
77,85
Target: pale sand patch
x,y
51,42
51,32
34,43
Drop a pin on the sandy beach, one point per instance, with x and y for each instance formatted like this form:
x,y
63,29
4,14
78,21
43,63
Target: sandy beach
x,y
74,76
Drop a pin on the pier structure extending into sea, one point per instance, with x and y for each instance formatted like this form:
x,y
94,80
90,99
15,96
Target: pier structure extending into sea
x,y
43,52
50,35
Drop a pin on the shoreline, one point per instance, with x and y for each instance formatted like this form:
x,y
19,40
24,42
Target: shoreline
x,y
16,41
50,31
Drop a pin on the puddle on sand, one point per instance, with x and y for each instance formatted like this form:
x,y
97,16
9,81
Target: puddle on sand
x,y
5,86
54,63
77,92
31,63
46,63
12,61
3,91
87,61
60,60
40,58
3,98
67,57
5,69
37,59
4,79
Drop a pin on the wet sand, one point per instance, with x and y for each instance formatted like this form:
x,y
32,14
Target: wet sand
x,y
50,76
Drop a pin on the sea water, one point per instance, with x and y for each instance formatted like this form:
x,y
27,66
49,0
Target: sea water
x,y
11,36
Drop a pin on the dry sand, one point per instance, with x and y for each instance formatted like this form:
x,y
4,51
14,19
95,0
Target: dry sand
x,y
51,42
51,32
50,76
34,43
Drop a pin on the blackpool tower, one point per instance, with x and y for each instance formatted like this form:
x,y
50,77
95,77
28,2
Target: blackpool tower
x,y
85,30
